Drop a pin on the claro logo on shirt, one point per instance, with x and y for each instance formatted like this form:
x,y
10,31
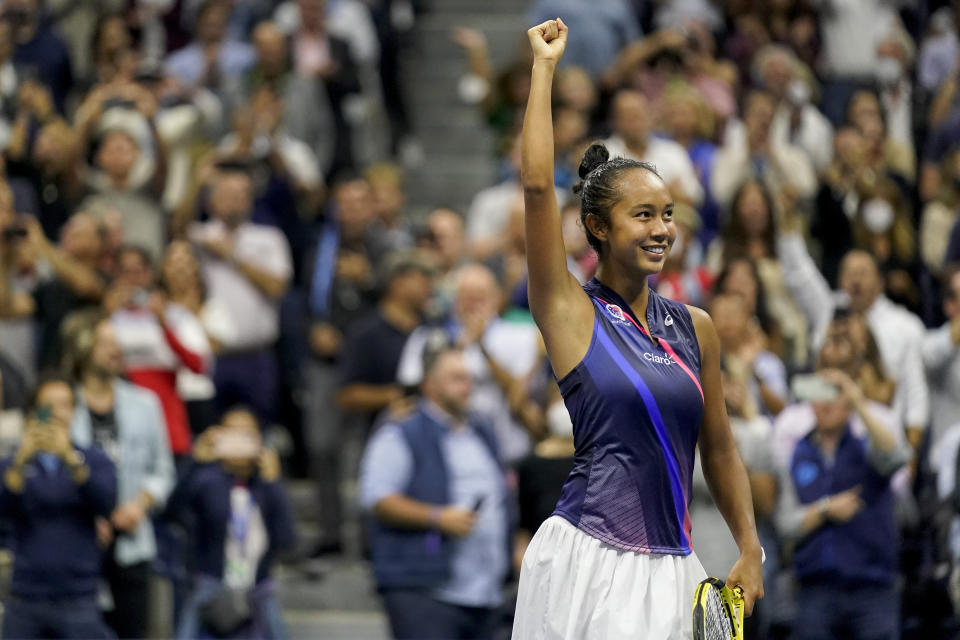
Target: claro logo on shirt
x,y
655,359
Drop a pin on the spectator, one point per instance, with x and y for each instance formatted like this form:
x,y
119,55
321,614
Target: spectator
x,y
386,185
39,53
73,282
844,182
212,58
940,215
942,360
884,226
247,269
157,338
605,27
540,476
130,167
746,359
127,423
307,114
322,57
374,345
682,278
886,153
181,282
497,352
47,164
239,521
752,151
56,496
797,121
898,332
850,57
438,532
17,279
692,124
836,505
343,286
444,242
633,138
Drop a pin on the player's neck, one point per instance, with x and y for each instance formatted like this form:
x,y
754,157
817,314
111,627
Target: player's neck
x,y
634,290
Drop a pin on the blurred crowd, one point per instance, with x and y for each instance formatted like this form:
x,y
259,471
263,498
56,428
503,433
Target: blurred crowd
x,y
208,266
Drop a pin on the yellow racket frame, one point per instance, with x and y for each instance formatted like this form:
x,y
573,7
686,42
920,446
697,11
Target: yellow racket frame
x,y
732,604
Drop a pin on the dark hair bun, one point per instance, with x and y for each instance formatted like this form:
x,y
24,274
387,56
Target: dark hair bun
x,y
593,157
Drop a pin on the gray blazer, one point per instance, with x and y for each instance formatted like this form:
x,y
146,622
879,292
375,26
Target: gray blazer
x,y
145,464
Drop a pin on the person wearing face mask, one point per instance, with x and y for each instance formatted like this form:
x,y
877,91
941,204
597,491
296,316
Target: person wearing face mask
x,y
236,510
898,331
797,120
883,226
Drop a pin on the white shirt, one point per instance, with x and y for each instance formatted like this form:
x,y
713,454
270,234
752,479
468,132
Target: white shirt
x,y
814,134
144,345
851,31
786,165
512,345
669,158
942,360
489,211
255,316
899,333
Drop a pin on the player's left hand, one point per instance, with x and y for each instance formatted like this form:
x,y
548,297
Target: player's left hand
x,y
747,573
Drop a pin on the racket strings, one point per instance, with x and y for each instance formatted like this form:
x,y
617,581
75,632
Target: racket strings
x,y
717,621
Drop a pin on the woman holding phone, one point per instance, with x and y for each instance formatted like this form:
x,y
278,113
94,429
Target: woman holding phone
x,y
640,376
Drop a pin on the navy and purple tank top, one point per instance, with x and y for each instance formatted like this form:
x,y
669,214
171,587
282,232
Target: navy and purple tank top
x,y
636,405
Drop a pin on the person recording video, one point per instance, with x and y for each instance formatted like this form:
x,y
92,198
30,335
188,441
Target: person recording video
x,y
236,510
53,492
836,503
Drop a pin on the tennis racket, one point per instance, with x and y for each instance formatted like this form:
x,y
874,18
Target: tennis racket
x,y
717,611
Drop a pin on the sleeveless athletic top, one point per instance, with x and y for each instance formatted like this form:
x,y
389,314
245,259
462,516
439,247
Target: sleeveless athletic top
x,y
636,405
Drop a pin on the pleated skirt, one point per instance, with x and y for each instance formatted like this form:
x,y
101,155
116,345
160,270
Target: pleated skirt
x,y
575,587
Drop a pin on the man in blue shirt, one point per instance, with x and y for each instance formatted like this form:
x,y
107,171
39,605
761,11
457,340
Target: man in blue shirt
x,y
837,508
439,533
52,494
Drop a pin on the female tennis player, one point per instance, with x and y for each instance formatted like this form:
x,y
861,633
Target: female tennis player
x,y
640,375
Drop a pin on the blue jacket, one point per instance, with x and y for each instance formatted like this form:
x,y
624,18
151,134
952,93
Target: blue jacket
x,y
201,501
404,558
53,525
863,550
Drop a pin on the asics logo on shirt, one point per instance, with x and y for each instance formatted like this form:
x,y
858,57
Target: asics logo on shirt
x,y
655,359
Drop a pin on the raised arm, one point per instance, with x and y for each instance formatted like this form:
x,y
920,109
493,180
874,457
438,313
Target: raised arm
x,y
557,302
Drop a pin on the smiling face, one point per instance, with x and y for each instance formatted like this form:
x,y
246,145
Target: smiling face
x,y
640,229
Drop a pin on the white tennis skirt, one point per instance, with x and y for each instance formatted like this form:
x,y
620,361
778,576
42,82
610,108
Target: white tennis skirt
x,y
573,586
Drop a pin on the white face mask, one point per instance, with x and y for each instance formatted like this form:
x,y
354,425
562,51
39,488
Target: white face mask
x,y
888,71
559,423
798,93
878,215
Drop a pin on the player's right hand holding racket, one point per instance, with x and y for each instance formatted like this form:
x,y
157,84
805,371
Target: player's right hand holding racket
x,y
747,574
